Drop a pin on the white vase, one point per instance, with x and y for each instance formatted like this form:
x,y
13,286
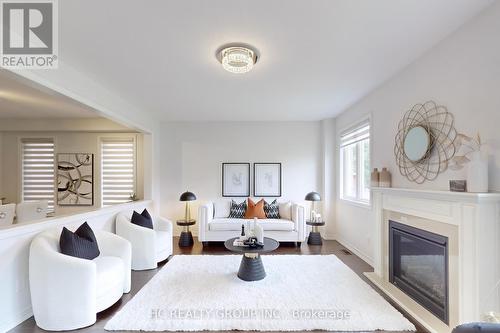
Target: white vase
x,y
249,229
259,233
477,173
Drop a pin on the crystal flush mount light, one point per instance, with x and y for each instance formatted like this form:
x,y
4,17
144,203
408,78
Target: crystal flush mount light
x,y
237,58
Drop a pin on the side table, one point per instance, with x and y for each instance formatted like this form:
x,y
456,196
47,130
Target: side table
x,y
186,238
314,236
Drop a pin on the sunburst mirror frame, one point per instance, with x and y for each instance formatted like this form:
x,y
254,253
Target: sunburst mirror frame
x,y
440,125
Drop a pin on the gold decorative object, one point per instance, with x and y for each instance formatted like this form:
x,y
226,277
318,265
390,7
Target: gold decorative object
x,y
424,143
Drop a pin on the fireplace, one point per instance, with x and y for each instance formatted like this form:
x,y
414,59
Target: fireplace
x,y
418,266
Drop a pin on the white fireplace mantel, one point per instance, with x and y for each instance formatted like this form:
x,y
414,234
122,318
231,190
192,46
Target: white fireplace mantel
x,y
475,220
443,195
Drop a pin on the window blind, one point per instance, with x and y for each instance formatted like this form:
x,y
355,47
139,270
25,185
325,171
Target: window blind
x,y
355,134
38,170
118,170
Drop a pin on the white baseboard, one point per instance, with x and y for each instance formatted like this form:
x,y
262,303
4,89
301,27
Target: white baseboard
x,y
356,251
349,246
16,319
328,236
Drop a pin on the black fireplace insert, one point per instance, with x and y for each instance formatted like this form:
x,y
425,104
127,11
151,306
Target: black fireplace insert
x,y
418,266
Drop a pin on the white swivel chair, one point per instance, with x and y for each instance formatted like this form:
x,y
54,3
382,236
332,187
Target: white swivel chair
x,y
67,292
149,246
7,213
31,211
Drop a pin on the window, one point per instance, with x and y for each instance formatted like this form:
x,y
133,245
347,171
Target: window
x,y
118,170
38,171
355,164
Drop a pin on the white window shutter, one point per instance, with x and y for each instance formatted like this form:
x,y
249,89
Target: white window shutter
x,y
354,135
38,170
118,170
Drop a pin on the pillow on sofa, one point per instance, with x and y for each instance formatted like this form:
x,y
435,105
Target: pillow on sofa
x,y
142,220
81,243
237,211
272,210
222,208
145,213
255,209
285,210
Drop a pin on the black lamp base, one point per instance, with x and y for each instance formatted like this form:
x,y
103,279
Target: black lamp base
x,y
186,239
314,238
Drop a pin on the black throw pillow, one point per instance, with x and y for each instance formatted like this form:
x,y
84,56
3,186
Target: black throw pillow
x,y
145,213
81,243
141,220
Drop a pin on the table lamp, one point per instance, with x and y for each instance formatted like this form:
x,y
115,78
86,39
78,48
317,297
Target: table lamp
x,y
313,197
187,197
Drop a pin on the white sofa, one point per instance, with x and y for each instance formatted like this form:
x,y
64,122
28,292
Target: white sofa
x,y
216,227
67,292
149,246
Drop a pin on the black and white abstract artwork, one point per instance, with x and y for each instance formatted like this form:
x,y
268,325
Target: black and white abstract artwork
x,y
235,179
267,179
75,179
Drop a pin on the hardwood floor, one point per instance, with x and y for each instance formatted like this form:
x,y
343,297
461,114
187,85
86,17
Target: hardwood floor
x,y
139,279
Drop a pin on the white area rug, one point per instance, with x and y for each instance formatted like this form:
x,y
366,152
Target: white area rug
x,y
308,292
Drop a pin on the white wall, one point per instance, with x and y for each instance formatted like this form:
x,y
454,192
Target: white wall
x,y
151,168
462,73
191,156
329,190
87,142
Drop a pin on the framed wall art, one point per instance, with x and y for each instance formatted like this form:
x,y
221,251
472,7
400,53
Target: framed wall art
x,y
75,179
267,179
235,179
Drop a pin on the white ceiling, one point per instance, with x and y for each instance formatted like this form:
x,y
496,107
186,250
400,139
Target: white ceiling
x,y
22,99
317,57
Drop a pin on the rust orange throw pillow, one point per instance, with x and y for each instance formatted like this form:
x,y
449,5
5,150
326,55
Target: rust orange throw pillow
x,y
255,209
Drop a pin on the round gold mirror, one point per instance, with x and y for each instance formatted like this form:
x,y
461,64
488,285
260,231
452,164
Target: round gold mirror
x,y
425,142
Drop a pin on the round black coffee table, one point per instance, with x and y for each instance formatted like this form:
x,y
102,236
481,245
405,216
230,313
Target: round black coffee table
x,y
186,238
251,267
314,236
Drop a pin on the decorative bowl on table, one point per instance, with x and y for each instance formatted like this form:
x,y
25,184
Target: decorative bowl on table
x,y
253,243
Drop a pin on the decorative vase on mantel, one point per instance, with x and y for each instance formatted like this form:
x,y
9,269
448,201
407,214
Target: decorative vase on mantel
x,y
374,178
477,173
385,178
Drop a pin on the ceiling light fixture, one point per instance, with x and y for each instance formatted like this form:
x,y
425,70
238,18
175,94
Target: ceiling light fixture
x,y
237,58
